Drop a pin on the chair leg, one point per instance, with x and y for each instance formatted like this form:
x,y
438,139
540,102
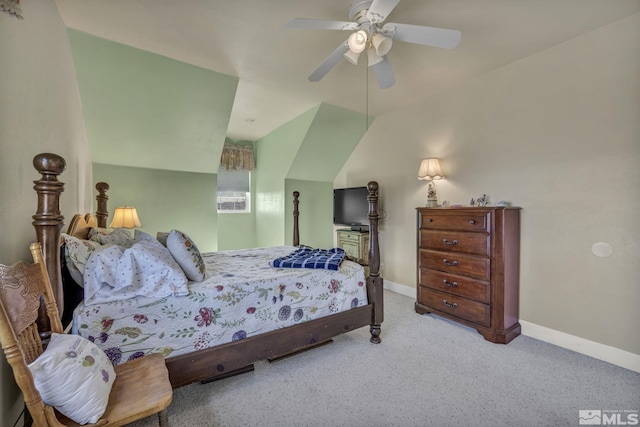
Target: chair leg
x,y
163,418
27,419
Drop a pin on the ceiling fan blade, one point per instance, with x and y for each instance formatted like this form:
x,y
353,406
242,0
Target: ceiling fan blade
x,y
384,74
329,62
380,9
428,36
319,24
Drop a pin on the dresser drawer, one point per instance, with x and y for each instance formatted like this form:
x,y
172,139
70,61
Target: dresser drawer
x,y
462,286
456,306
470,220
349,235
466,265
351,249
455,241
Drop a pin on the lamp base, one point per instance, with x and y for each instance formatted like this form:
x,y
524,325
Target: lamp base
x,y
432,203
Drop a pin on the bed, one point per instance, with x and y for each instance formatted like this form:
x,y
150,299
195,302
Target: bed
x,y
300,319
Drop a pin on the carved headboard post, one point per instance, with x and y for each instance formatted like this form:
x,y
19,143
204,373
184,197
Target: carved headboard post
x,y
374,281
102,214
48,222
296,213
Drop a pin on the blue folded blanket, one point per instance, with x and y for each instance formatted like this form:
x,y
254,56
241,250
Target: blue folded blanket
x,y
329,259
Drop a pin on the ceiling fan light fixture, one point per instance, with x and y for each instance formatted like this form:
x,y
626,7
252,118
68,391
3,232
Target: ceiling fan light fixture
x,y
372,57
381,43
358,41
368,30
352,56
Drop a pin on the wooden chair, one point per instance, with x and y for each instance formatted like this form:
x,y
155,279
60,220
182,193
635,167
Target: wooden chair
x,y
141,387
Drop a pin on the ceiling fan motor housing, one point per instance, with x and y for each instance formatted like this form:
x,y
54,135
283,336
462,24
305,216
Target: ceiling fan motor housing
x,y
358,11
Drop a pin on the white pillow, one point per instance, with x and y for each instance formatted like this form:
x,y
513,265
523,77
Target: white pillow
x,y
74,376
186,254
76,254
162,237
95,232
141,236
119,236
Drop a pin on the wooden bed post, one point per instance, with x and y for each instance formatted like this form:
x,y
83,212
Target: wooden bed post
x,y
296,230
48,223
374,281
102,214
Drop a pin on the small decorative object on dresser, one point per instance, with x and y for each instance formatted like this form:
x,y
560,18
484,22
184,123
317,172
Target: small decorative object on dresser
x,y
468,268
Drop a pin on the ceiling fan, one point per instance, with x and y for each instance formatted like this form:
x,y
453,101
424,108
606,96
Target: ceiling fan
x,y
366,18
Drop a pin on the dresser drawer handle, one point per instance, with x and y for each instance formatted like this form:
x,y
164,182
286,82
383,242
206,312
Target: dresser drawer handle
x,y
429,220
449,284
448,304
452,243
472,222
450,263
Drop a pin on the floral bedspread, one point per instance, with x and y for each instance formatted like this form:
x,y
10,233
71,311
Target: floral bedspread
x,y
241,296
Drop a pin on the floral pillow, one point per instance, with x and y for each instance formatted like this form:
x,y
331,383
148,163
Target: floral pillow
x,y
186,254
77,252
74,376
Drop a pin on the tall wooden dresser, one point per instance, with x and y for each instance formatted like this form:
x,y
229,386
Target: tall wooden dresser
x,y
468,268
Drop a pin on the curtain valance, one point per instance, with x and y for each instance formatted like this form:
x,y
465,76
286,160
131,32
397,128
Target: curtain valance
x,y
237,157
12,7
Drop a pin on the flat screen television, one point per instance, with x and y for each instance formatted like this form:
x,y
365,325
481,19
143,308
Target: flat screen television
x,y
351,208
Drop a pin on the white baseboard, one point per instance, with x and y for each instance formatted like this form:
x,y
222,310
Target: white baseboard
x,y
594,349
400,289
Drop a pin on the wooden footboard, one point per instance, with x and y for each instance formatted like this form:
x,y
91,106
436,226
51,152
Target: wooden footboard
x,y
220,360
217,361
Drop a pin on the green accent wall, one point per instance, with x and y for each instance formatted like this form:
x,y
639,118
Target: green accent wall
x,y
315,220
156,128
165,200
304,155
275,153
330,140
135,102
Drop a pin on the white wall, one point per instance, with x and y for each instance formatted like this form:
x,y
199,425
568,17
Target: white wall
x,y
556,133
40,112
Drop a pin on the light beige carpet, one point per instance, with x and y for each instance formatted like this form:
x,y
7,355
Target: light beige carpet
x,y
426,372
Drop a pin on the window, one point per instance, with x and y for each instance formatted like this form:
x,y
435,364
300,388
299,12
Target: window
x,y
234,178
233,201
234,191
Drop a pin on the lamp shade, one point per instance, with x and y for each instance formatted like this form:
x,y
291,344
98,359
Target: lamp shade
x,y
381,43
358,41
372,57
352,56
430,169
125,217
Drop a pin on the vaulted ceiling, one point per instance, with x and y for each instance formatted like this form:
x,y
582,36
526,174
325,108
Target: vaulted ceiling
x,y
246,39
